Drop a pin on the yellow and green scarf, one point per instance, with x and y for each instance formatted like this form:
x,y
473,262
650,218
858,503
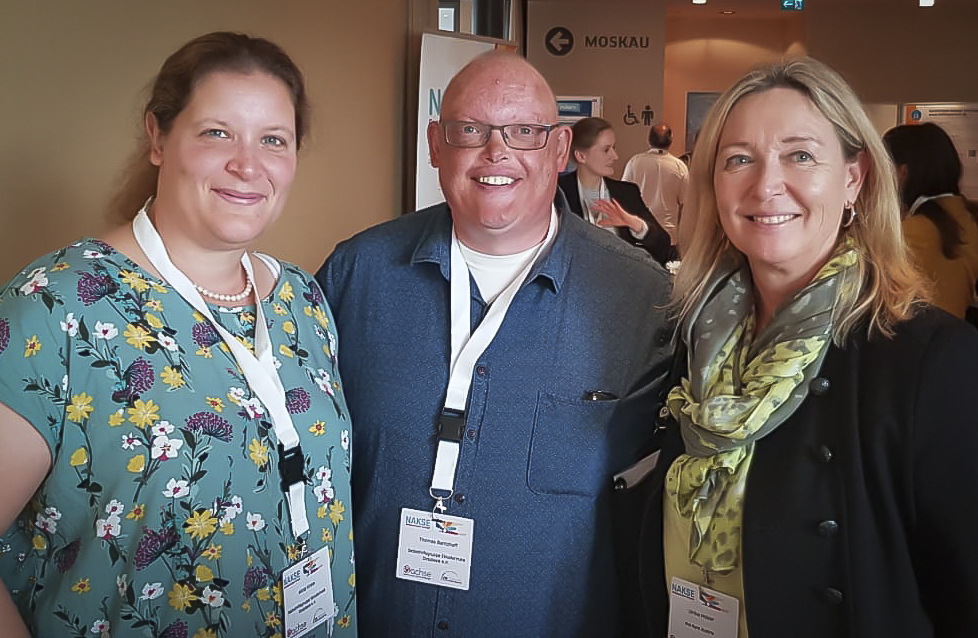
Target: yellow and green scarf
x,y
737,391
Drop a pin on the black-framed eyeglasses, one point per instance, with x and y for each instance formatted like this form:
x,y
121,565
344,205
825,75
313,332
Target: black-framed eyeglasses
x,y
521,137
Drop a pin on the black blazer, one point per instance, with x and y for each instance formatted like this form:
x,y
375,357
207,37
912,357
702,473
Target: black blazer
x,y
861,516
656,241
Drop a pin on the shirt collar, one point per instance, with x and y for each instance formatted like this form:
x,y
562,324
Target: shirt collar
x,y
434,246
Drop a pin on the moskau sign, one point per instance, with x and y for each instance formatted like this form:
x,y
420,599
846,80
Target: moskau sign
x,y
616,42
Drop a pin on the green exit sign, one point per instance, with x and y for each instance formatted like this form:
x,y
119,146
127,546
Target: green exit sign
x,y
792,5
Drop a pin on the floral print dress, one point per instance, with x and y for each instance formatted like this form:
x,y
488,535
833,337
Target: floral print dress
x,y
162,514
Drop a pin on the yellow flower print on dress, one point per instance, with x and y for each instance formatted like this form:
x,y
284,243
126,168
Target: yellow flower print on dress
x,y
205,633
216,404
144,413
80,407
61,266
39,543
181,596
134,281
203,574
33,346
320,317
285,350
173,377
213,552
318,428
336,509
279,309
137,512
153,321
83,586
136,464
79,457
258,452
286,294
154,304
272,619
288,327
201,524
137,336
117,418
344,621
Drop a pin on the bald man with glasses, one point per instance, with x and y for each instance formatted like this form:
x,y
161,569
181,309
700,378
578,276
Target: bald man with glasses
x,y
501,361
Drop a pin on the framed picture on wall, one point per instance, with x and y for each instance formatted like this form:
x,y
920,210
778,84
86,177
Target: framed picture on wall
x,y
698,104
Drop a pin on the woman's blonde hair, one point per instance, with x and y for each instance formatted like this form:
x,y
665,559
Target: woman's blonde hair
x,y
888,288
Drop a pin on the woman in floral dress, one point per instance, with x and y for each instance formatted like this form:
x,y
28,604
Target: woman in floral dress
x,y
173,433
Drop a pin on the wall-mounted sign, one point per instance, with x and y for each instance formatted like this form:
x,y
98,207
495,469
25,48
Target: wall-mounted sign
x,y
792,5
576,107
559,41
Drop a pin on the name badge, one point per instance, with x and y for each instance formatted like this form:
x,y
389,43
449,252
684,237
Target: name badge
x,y
307,594
434,549
697,612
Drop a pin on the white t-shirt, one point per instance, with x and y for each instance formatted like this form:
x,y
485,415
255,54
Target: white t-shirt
x,y
662,178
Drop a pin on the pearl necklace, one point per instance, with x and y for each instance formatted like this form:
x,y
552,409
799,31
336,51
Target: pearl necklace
x,y
227,298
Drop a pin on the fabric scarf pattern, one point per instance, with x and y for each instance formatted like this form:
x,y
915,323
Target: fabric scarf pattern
x,y
739,390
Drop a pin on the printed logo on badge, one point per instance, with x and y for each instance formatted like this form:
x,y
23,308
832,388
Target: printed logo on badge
x,y
310,567
450,577
446,527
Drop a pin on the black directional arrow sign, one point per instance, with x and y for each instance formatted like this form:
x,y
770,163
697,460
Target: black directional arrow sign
x,y
559,41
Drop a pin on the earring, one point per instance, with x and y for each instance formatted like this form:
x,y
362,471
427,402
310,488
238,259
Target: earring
x,y
849,215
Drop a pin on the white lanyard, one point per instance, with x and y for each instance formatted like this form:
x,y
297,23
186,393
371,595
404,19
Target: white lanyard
x,y
917,203
585,205
466,349
258,370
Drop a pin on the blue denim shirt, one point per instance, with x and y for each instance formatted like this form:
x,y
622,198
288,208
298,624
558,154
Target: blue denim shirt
x,y
537,458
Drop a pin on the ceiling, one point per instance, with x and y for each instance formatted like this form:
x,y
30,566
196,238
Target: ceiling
x,y
772,8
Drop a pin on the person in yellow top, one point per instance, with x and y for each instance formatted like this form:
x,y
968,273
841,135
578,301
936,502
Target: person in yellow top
x,y
940,228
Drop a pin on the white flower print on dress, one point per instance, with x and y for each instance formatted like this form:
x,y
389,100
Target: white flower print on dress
x,y
167,341
107,528
165,448
52,513
151,591
255,522
323,381
49,525
213,597
114,507
236,395
129,441
36,281
70,324
162,428
176,489
100,627
230,512
253,407
104,330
